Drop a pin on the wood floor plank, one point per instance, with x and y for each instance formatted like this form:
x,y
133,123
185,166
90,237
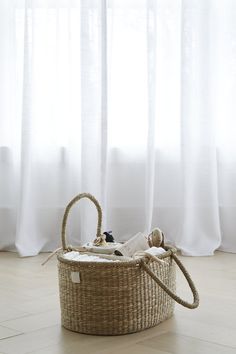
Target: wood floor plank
x,y
42,304
10,312
216,333
75,349
29,342
52,337
100,344
34,322
180,344
30,313
8,332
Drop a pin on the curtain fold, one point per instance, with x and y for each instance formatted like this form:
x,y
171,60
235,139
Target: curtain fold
x,y
199,163
130,100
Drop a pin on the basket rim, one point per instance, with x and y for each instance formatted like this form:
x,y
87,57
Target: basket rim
x,y
134,262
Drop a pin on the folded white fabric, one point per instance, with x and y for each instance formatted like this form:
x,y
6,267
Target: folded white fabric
x,y
155,251
136,243
109,248
152,252
76,256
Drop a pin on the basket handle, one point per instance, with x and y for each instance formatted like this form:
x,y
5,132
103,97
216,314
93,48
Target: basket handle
x,y
182,302
67,210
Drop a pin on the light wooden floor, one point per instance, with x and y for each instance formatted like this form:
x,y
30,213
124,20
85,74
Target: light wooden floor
x,y
30,313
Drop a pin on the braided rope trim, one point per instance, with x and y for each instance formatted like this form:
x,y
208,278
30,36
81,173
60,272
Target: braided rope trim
x,y
175,297
67,210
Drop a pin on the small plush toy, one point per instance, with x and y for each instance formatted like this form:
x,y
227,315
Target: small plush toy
x,y
109,237
156,238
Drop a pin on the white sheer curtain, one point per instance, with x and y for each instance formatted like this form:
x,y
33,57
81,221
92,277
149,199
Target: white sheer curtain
x,y
130,100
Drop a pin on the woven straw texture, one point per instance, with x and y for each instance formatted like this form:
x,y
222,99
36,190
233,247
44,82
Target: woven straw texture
x,y
117,297
114,298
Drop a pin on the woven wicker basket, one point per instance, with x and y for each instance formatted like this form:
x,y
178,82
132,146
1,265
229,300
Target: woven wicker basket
x,y
116,298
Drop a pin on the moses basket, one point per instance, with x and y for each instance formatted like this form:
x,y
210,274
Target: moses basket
x,y
114,298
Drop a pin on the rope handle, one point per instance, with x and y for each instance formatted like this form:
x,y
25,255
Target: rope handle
x,y
65,217
182,302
